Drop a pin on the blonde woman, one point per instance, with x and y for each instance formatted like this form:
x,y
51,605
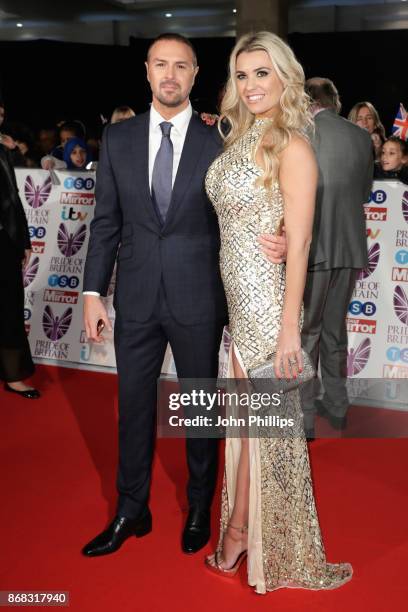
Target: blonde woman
x,y
365,115
267,171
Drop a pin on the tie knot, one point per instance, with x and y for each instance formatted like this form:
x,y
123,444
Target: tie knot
x,y
166,128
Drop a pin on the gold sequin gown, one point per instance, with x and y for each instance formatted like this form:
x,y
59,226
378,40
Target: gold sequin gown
x,y
285,548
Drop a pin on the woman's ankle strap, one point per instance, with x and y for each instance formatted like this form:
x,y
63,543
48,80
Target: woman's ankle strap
x,y
242,529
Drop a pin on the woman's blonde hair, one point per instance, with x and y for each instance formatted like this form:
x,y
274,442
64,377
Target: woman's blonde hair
x,y
353,114
293,116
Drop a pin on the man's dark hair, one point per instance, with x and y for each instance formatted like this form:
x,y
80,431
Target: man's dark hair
x,y
324,93
177,37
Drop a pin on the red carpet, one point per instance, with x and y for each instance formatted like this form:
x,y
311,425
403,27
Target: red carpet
x,y
58,461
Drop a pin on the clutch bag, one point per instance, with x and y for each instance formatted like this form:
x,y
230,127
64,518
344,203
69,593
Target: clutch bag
x,y
265,372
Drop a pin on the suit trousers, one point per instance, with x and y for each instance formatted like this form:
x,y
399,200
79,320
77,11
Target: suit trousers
x,y
140,349
324,336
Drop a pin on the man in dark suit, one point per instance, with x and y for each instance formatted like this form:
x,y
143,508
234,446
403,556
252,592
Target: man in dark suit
x,y
151,203
339,247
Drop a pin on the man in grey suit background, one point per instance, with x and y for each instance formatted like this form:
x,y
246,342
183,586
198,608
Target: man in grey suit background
x,y
339,248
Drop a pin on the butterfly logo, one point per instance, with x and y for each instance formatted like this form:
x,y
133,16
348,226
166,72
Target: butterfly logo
x,y
405,205
37,195
29,273
70,244
401,304
357,358
55,327
373,257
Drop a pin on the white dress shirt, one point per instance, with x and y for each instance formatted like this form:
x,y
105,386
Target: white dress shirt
x,y
177,135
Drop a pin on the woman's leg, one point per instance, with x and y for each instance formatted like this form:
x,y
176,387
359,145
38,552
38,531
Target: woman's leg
x,y
236,541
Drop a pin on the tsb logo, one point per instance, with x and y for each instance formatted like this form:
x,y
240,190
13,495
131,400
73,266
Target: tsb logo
x,y
366,308
378,197
396,354
401,257
37,232
63,281
79,183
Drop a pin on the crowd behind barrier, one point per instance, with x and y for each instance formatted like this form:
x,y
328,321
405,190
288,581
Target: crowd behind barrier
x,y
59,209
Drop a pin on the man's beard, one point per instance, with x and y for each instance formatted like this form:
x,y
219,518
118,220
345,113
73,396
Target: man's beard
x,y
171,102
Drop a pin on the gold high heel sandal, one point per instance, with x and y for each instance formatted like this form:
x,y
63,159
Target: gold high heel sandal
x,y
213,562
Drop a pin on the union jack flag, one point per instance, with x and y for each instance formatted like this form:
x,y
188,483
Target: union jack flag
x,y
400,127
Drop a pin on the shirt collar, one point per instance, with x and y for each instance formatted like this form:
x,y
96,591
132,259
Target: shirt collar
x,y
179,121
316,109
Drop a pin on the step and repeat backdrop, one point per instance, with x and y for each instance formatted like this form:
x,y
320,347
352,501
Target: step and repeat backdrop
x,y
59,209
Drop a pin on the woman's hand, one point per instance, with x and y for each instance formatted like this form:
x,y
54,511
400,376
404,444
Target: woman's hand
x,y
48,163
289,361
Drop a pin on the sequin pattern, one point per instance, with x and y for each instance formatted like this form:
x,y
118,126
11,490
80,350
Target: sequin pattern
x,y
292,550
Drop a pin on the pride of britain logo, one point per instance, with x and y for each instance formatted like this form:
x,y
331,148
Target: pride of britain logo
x,y
30,272
373,258
70,243
405,205
357,357
37,195
400,301
54,326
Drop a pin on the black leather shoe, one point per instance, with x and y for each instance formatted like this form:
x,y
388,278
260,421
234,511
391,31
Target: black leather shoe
x,y
29,394
196,531
336,422
121,528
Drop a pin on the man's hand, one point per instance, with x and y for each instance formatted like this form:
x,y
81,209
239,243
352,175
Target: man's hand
x,y
275,248
26,258
94,310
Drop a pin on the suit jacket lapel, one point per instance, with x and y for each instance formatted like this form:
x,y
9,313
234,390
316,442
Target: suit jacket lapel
x,y
192,151
140,153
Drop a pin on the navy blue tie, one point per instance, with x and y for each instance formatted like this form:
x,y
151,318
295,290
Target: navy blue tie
x,y
162,176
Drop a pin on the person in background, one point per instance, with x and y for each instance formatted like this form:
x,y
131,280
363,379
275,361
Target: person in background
x,y
24,139
366,116
338,251
7,140
16,363
394,161
76,154
67,130
378,140
121,113
46,140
